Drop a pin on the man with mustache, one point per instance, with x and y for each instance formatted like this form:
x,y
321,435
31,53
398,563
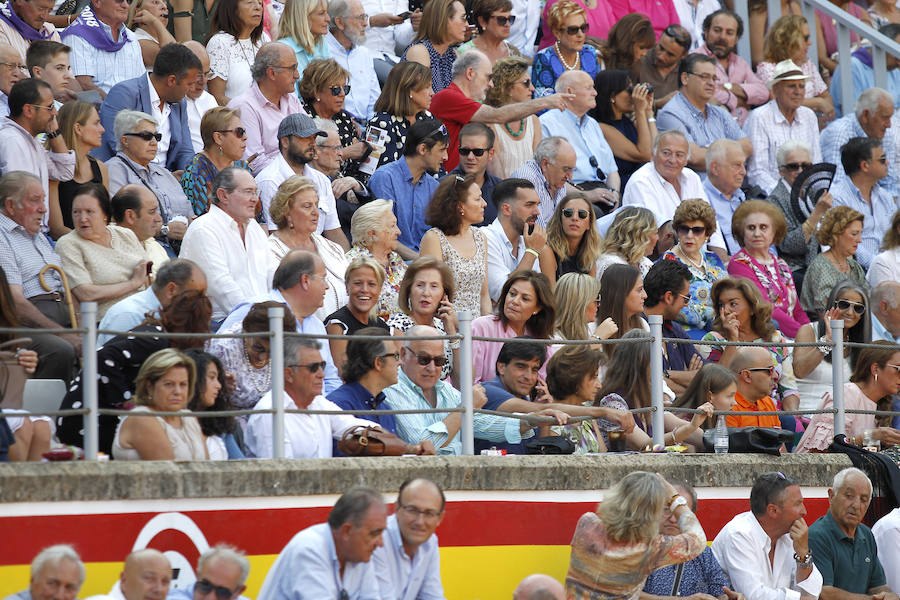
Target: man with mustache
x,y
738,88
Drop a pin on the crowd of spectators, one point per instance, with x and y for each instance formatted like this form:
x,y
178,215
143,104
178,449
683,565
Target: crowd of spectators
x,y
388,170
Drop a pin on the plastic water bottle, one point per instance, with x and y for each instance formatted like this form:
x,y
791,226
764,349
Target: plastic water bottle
x,y
720,440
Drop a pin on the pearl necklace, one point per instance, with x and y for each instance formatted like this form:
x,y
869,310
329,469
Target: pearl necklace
x,y
563,60
701,266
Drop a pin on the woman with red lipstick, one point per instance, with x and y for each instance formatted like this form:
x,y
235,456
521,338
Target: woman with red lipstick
x,y
455,208
841,229
573,245
104,263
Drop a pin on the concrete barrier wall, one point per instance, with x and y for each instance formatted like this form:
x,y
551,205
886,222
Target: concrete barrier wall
x,y
506,516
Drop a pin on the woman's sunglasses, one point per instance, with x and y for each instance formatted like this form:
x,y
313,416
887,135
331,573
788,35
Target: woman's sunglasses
x,y
238,131
684,230
575,29
845,304
502,21
569,212
336,90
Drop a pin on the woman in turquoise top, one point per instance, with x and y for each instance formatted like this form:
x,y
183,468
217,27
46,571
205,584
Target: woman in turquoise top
x,y
443,26
304,25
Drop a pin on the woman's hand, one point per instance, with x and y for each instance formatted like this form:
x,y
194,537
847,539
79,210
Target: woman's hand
x,y
147,20
731,325
698,418
832,314
353,151
642,99
561,417
543,394
139,275
425,447
28,359
447,314
606,329
888,436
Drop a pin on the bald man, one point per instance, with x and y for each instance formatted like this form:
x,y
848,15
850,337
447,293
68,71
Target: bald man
x,y
756,376
539,587
12,69
146,576
198,99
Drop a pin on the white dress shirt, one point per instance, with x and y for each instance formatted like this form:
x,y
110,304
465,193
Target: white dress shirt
x,y
884,267
235,268
647,188
277,172
364,86
500,258
523,32
887,537
402,578
768,129
742,549
160,110
195,111
305,436
388,40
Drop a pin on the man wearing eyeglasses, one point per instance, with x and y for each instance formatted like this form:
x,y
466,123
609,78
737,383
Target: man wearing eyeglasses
x,y
12,70
476,149
197,99
160,94
408,565
221,575
692,113
346,40
22,21
756,376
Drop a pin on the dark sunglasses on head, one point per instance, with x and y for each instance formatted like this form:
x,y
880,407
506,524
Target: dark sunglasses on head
x,y
423,360
205,587
796,166
337,89
502,21
575,29
479,152
238,131
845,304
684,230
146,135
569,212
678,35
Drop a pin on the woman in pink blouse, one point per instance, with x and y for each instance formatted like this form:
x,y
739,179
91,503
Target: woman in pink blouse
x,y
757,225
526,307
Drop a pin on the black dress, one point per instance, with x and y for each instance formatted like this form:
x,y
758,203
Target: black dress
x,y
351,324
67,192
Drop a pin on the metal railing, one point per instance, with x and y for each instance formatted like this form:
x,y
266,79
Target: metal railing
x,y
91,411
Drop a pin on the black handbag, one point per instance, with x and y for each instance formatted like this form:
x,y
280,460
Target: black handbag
x,y
742,440
551,444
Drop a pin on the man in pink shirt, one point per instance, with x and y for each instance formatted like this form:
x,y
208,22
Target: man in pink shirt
x,y
738,88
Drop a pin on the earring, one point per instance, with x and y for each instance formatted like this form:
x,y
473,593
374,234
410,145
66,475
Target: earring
x,y
876,377
374,238
291,225
318,99
410,96
220,150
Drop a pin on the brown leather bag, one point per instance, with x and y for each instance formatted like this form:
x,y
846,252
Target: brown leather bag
x,y
12,374
370,441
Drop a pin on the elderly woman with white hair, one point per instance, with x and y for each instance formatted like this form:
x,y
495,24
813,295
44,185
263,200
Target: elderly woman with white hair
x,y
799,246
137,142
374,232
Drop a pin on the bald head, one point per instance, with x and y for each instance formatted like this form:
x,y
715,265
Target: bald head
x,y
581,86
750,358
10,75
146,576
539,587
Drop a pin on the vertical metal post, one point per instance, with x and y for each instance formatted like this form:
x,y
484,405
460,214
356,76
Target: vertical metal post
x,y
809,13
837,374
276,362
880,66
91,420
743,46
465,382
656,380
846,91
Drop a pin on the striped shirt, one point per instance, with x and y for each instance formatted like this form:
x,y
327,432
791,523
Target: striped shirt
x,y
768,129
107,68
23,255
532,172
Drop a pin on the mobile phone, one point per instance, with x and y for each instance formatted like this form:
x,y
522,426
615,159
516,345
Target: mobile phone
x,y
530,228
149,267
405,15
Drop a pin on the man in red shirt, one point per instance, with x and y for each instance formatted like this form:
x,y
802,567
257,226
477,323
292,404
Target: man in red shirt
x,y
460,102
755,369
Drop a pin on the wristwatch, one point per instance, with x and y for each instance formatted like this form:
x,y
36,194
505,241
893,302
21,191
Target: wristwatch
x,y
677,500
727,85
805,561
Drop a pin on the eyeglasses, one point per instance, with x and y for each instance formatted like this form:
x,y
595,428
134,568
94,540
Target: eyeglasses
x,y
526,82
238,131
569,212
567,170
479,152
313,367
684,297
684,230
600,174
292,67
423,360
770,369
247,191
415,512
706,77
502,21
336,90
394,355
574,30
362,18
329,146
205,587
845,304
146,135
796,166
14,66
442,130
598,300
895,367
50,107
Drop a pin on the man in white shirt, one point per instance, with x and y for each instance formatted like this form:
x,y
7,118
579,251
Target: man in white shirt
x,y
744,547
228,243
887,537
514,238
665,181
781,119
136,207
346,40
297,144
523,33
387,32
408,565
198,99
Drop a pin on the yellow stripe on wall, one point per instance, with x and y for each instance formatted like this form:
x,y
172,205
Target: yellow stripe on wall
x,y
468,572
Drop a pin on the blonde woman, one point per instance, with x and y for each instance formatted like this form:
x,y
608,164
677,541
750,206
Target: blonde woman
x,y
573,244
364,279
577,296
148,20
164,384
630,240
295,211
303,27
516,141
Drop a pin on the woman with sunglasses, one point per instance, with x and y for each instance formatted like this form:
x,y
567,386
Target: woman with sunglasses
x,y
694,222
756,225
849,302
224,142
841,230
799,246
426,298
516,141
526,307
568,26
493,21
625,114
455,208
323,90
573,244
629,240
875,379
237,35
442,27
598,16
